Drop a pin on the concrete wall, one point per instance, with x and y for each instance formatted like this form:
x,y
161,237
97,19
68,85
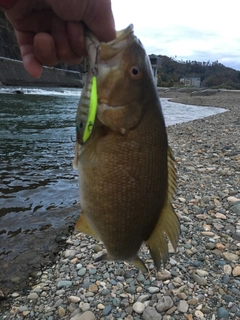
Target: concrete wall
x,y
12,73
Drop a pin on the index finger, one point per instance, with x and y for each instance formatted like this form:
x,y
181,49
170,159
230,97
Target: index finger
x,y
99,18
26,45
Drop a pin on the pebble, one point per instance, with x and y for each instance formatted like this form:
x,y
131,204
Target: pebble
x,y
183,306
84,306
230,256
61,312
107,310
201,281
15,294
138,307
164,275
64,283
150,313
74,299
88,315
199,314
82,272
236,271
164,304
202,273
222,313
233,199
32,296
153,290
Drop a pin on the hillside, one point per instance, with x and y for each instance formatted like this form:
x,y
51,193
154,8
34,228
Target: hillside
x,y
212,74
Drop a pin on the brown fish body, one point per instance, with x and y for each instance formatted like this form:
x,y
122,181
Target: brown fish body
x,y
124,175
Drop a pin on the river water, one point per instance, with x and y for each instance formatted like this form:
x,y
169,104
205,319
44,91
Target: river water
x,y
38,186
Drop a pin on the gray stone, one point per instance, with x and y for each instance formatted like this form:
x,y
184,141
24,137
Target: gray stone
x,y
228,298
230,256
236,236
32,296
88,315
82,272
105,292
182,306
22,308
107,310
150,313
236,208
138,307
85,306
64,283
153,290
116,302
222,313
210,246
164,304
131,289
201,281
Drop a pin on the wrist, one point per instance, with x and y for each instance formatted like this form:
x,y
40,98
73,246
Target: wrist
x,y
7,4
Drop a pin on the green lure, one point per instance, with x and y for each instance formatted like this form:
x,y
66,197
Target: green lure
x,y
92,110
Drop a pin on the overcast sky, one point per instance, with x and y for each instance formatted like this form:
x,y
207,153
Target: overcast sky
x,y
183,29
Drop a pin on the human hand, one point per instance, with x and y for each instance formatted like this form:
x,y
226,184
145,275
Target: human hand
x,y
52,31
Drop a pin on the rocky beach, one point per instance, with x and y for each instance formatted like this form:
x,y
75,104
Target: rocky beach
x,y
200,281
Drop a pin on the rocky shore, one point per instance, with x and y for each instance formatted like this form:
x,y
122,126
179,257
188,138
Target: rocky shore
x,y
200,281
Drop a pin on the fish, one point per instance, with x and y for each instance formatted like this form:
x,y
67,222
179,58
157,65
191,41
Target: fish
x,y
127,173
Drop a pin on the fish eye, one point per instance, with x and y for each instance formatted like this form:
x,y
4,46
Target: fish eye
x,y
135,72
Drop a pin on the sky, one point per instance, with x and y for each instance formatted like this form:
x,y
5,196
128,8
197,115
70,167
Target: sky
x,y
183,29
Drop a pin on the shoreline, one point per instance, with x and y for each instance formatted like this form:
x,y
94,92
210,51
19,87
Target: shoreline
x,y
201,281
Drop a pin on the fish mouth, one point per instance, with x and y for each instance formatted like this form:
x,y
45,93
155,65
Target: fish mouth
x,y
107,50
124,38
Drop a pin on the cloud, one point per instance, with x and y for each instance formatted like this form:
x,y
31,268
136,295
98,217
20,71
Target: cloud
x,y
208,30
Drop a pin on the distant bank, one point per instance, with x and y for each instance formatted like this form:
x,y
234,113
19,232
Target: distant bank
x,y
12,73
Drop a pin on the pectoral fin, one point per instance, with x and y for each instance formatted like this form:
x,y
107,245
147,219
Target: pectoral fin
x,y
168,223
83,226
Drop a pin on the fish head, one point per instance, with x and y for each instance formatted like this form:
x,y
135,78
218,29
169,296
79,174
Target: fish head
x,y
124,74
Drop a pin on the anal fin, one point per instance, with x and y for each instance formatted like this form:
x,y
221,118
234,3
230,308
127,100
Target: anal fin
x,y
83,226
137,262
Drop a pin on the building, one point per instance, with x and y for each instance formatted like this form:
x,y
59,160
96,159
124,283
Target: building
x,y
156,63
191,81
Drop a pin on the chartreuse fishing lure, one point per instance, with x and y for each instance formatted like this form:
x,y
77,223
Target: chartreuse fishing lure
x,y
92,110
87,110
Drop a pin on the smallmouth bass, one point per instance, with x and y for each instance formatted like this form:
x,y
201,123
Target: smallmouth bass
x,y
126,169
